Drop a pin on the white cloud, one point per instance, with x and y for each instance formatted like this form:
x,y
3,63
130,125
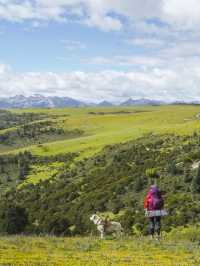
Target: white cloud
x,y
131,61
105,23
179,81
4,69
147,42
184,13
165,33
105,14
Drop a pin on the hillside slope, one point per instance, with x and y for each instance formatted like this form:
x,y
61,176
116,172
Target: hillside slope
x,y
105,126
113,182
54,187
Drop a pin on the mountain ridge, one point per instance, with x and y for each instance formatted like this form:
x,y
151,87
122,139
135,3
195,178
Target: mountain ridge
x,y
40,101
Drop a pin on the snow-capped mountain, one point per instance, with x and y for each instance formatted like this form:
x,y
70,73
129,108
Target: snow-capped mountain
x,y
20,101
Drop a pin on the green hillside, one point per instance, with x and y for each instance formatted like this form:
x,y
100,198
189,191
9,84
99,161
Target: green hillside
x,y
105,126
57,166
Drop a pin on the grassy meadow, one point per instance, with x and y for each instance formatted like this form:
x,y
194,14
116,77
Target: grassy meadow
x,y
42,251
106,126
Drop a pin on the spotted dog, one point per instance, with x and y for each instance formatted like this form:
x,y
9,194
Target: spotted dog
x,y
104,226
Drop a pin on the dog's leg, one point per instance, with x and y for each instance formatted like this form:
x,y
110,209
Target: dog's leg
x,y
101,230
119,232
102,234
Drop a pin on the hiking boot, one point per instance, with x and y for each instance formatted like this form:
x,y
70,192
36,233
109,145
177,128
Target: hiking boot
x,y
158,238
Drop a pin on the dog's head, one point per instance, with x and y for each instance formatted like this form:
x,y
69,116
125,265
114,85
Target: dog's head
x,y
93,217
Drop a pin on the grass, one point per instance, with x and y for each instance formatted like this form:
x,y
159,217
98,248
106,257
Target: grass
x,y
46,251
42,172
105,126
101,130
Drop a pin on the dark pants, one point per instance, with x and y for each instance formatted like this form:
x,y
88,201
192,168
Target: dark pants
x,y
155,225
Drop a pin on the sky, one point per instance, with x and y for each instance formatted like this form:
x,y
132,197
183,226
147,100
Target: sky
x,y
95,50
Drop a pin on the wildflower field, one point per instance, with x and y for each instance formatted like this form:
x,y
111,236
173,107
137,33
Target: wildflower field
x,y
42,251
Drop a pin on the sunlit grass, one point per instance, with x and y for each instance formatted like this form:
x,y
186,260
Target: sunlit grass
x,y
42,172
102,130
43,251
106,126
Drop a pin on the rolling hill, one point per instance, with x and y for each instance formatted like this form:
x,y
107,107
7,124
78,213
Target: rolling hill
x,y
57,166
111,125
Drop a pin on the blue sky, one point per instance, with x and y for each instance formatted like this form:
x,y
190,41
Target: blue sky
x,y
100,49
60,47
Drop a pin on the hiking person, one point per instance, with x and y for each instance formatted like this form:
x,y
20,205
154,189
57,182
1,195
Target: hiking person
x,y
153,205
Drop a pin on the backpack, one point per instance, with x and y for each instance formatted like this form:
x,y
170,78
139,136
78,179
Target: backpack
x,y
155,202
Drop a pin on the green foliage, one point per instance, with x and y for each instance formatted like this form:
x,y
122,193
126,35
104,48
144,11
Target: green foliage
x,y
196,182
60,191
9,119
17,170
14,218
172,168
36,133
185,233
107,183
152,173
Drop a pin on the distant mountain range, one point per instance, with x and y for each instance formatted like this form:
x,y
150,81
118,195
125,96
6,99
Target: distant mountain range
x,y
40,101
104,104
141,101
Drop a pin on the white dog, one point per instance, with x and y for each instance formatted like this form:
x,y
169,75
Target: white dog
x,y
104,226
